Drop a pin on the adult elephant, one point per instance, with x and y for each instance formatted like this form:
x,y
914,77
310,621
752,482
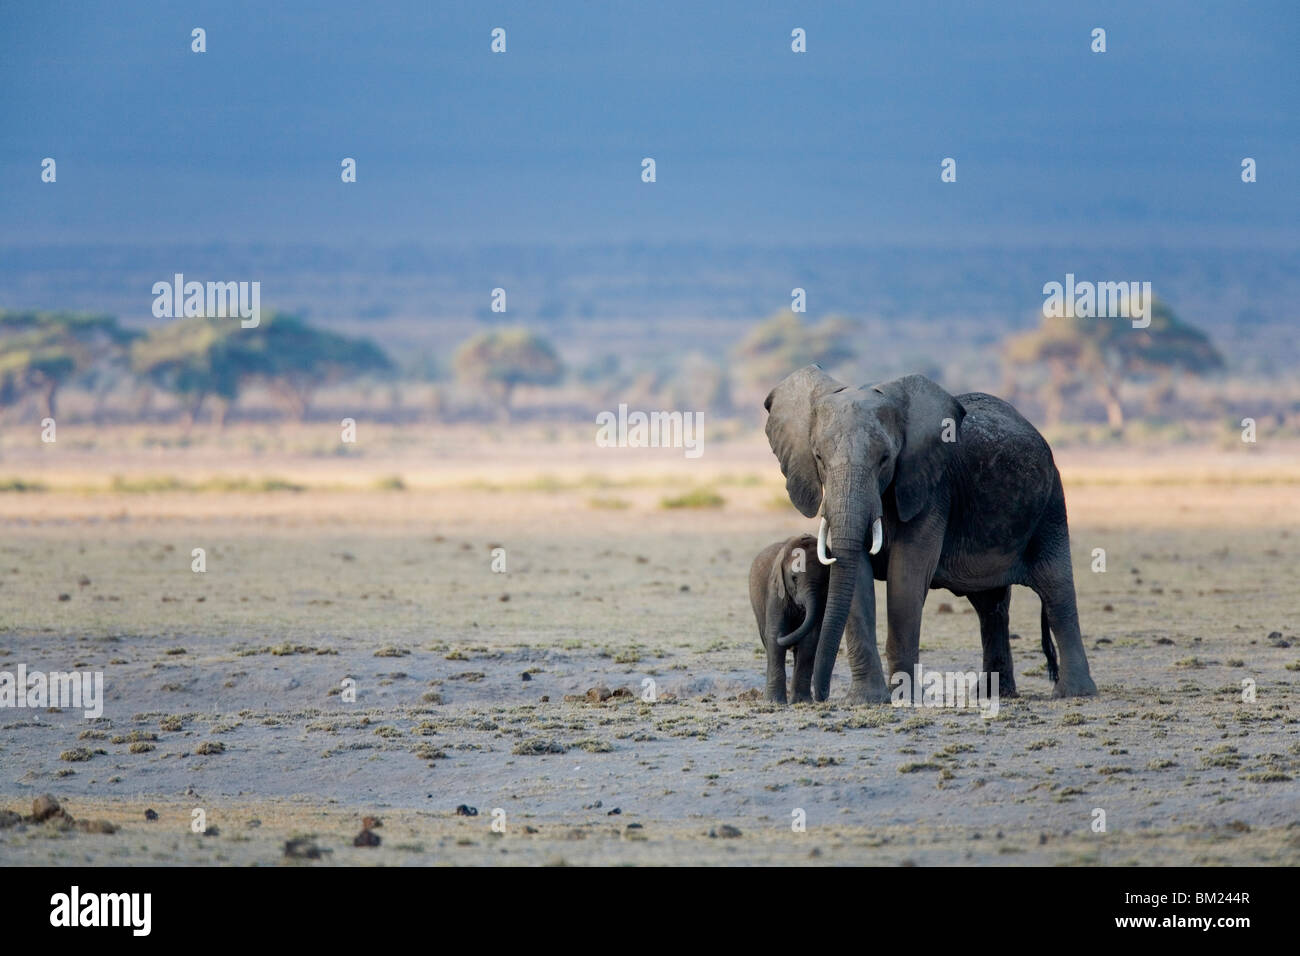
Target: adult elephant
x,y
951,492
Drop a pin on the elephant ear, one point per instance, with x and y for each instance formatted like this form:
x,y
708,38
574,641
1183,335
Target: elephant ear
x,y
926,413
776,580
789,432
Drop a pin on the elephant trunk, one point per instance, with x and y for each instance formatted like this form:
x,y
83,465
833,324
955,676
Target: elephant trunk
x,y
839,597
852,508
811,606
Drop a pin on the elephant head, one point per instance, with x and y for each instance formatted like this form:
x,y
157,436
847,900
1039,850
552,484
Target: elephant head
x,y
844,453
797,578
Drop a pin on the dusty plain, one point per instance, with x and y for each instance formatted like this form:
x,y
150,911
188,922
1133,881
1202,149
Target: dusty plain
x,y
224,689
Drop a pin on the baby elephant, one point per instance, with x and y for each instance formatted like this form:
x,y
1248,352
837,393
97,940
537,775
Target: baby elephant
x,y
787,587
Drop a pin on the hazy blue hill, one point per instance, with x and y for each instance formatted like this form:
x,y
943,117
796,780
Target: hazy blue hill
x,y
674,297
775,169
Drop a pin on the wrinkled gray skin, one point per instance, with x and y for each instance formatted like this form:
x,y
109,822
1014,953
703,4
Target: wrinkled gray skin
x,y
974,515
788,593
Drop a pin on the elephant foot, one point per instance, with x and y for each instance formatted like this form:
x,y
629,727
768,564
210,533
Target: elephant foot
x,y
802,697
1071,686
862,692
1006,676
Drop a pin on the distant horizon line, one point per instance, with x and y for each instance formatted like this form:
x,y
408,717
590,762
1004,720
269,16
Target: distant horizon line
x,y
1257,238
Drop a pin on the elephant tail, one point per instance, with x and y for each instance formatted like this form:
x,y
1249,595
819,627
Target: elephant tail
x,y
1049,650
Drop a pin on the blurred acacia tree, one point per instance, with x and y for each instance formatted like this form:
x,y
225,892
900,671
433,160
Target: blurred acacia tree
x,y
1106,353
40,352
700,384
782,343
505,359
299,359
198,359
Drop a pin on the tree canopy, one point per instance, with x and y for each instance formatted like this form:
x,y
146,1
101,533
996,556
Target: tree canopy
x,y
783,343
1108,352
505,359
201,358
42,351
300,359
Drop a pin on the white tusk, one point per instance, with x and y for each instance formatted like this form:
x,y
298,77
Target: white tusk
x,y
877,536
823,535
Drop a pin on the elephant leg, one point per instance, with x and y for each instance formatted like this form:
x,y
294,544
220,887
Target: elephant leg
x,y
868,686
911,569
805,652
994,609
775,669
775,673
776,620
1053,579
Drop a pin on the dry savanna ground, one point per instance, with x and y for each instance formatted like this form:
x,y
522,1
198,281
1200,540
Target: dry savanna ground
x,y
374,563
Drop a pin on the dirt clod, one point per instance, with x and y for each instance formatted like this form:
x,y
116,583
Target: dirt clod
x,y
302,849
96,826
44,807
537,746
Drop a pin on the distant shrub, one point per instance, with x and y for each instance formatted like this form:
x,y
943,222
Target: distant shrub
x,y
697,498
146,485
21,485
248,484
154,484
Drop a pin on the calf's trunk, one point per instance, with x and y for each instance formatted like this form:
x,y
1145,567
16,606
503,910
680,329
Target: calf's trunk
x,y
811,606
